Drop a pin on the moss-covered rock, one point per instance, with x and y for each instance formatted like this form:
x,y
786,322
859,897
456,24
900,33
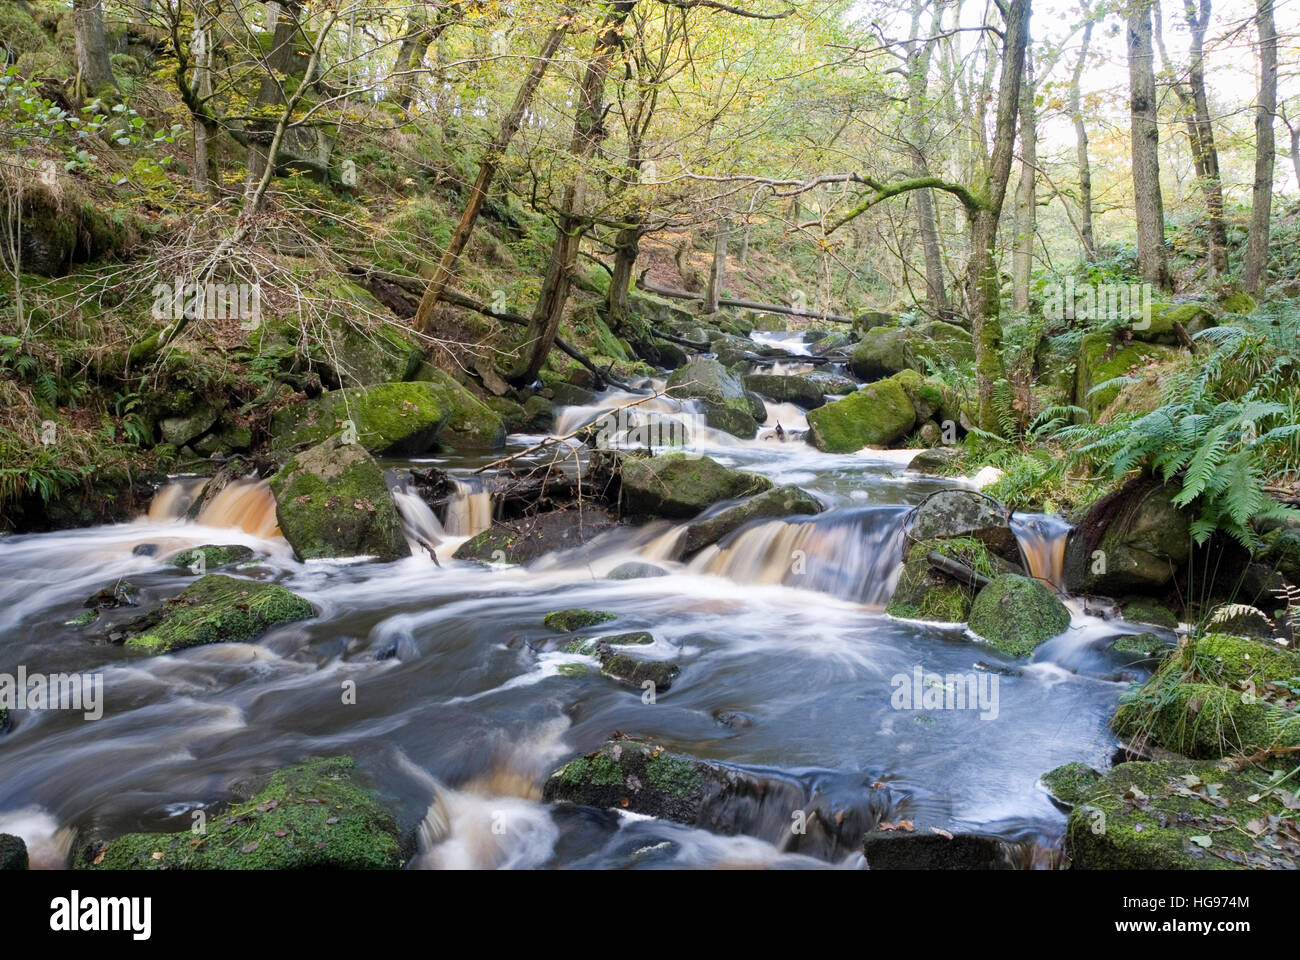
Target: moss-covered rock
x,y
210,556
876,415
216,609
575,618
1102,360
1194,317
590,646
398,419
924,593
807,390
1239,302
311,816
1141,548
681,485
1180,815
1015,614
1071,784
13,852
636,672
332,501
1145,644
930,398
951,514
1146,610
524,539
723,396
885,350
784,501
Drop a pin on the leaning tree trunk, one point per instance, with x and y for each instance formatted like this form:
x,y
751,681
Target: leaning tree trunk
x,y
1081,150
718,272
588,131
487,170
982,280
1254,269
94,69
627,245
1153,261
1022,251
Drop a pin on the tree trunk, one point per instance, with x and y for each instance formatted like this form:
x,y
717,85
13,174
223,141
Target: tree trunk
x,y
201,46
278,63
1207,155
1254,269
94,69
487,171
1022,253
983,284
1081,150
918,75
1145,136
409,53
626,248
588,132
718,272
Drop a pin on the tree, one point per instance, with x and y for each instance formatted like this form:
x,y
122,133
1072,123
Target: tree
x,y
94,69
1081,143
1153,261
1254,268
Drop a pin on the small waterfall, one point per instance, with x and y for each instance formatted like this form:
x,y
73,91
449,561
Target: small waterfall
x,y
853,554
469,511
1042,539
420,523
659,423
792,417
246,505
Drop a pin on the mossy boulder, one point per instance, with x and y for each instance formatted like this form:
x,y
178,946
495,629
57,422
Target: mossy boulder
x,y
312,816
1146,610
1102,360
635,672
590,646
13,852
681,485
723,396
216,609
395,419
180,430
575,618
1140,549
784,501
1181,815
1239,302
950,514
931,399
884,351
1147,645
332,501
210,556
806,390
524,539
925,593
1015,614
1071,784
876,415
1194,317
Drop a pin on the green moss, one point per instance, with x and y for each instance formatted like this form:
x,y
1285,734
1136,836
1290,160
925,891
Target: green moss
x,y
876,415
1101,360
681,485
674,775
1072,783
90,616
1239,302
599,770
575,618
220,609
213,556
310,816
588,646
1015,614
924,593
1142,610
1147,644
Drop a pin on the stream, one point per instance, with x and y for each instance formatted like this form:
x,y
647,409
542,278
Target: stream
x,y
461,710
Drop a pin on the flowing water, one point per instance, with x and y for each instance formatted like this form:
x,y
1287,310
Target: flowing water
x,y
787,664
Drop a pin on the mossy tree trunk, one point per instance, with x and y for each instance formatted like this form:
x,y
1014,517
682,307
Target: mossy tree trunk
x,y
94,69
1254,268
1153,261
1081,146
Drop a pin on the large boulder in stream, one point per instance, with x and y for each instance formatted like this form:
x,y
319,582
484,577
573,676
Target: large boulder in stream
x,y
726,403
215,609
885,351
914,850
524,539
807,390
784,501
1015,614
680,485
925,592
876,415
332,501
312,816
1132,541
951,514
13,852
641,777
395,419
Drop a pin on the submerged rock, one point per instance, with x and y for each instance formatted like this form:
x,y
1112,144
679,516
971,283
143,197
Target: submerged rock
x,y
876,415
899,850
13,852
525,539
212,556
215,609
636,570
310,816
575,618
783,501
1071,784
333,501
397,419
1015,614
681,485
1181,815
